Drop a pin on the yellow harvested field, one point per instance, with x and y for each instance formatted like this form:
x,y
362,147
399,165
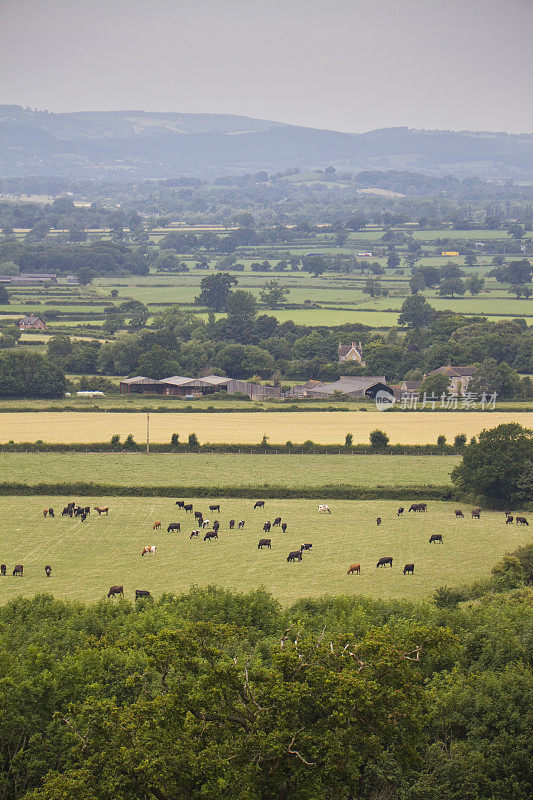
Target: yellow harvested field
x,y
321,427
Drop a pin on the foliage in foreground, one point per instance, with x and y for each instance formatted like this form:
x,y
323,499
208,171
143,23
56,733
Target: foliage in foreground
x,y
214,694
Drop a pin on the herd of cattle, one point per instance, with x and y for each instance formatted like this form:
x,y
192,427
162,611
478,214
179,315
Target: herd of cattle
x,y
210,532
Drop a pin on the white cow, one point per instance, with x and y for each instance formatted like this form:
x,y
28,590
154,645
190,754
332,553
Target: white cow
x,y
322,508
149,548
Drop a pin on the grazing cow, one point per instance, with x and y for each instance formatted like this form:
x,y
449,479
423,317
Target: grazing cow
x,y
277,521
459,513
295,555
259,504
142,593
306,546
156,526
51,512
205,523
45,512
180,503
48,570
509,519
194,534
476,513
522,521
72,504
355,569
19,569
400,511
215,508
174,526
78,511
378,520
435,537
3,569
86,510
210,535
409,569
324,508
83,516
113,590
150,549
216,525
266,527
102,510
231,524
187,507
283,526
198,515
384,561
264,543
240,526
418,507
67,512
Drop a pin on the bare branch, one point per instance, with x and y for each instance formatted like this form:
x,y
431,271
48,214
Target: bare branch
x,y
319,642
296,753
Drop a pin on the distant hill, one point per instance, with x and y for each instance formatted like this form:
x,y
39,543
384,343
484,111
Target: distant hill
x,y
132,145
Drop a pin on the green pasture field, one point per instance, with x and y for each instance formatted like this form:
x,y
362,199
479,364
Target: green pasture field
x,y
416,427
87,558
204,469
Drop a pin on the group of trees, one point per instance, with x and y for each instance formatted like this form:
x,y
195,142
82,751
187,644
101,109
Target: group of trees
x,y
215,694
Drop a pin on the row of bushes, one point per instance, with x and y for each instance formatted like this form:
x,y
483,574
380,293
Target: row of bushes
x,y
81,489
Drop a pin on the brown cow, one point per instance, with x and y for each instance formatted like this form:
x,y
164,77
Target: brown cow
x,y
459,513
102,510
113,590
19,569
355,569
156,526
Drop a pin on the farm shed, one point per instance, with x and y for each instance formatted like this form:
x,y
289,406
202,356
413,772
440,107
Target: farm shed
x,y
141,385
356,386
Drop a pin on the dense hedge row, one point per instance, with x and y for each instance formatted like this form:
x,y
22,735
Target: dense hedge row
x,y
258,449
82,489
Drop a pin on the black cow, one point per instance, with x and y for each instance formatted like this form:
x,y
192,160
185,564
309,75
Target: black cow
x,y
264,543
459,513
277,521
198,515
509,518
435,537
48,570
231,524
283,526
113,590
210,535
306,546
216,525
295,555
418,507
215,508
87,510
188,507
409,569
259,504
522,521
240,526
142,593
384,561
476,513
180,503
3,569
83,516
51,512
174,526
400,511
266,527
67,512
19,569
378,520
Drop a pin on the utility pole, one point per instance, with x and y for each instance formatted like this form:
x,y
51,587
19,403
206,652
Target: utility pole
x,y
147,432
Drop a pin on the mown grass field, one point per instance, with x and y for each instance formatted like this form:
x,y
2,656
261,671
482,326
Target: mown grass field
x,y
204,469
237,427
87,558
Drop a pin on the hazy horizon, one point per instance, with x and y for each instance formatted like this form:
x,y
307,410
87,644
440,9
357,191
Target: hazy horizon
x,y
350,66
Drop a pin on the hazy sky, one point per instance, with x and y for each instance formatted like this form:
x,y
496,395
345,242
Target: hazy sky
x,y
350,65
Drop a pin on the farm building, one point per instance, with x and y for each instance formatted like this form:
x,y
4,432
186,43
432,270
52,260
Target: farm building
x,y
459,377
31,323
351,352
30,278
181,386
356,386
